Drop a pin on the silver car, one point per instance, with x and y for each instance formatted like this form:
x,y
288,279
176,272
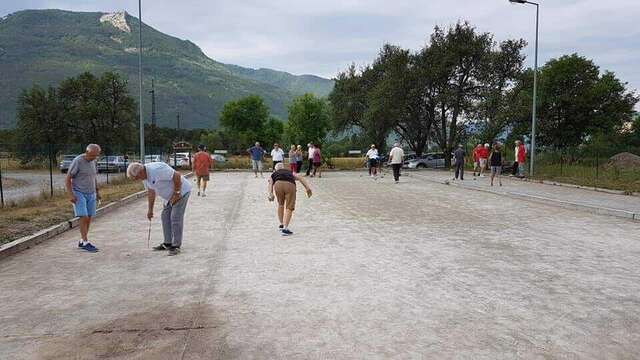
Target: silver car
x,y
66,162
113,163
431,160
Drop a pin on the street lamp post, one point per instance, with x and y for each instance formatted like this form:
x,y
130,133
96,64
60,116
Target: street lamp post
x,y
535,85
140,78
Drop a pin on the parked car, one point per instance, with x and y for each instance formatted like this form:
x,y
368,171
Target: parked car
x,y
66,162
218,158
181,159
431,160
153,158
112,163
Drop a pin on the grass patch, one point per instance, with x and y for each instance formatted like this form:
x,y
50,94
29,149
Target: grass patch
x,y
588,175
31,215
10,183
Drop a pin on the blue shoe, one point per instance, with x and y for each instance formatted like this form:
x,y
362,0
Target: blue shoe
x,y
88,248
286,232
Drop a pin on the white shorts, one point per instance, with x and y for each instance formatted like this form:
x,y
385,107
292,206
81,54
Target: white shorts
x,y
483,163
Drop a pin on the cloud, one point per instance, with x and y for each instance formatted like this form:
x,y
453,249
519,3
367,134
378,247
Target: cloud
x,y
324,37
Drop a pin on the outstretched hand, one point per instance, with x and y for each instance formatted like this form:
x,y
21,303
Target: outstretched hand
x,y
309,193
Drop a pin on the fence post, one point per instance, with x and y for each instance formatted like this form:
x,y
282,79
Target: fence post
x,y
51,169
1,191
106,159
597,166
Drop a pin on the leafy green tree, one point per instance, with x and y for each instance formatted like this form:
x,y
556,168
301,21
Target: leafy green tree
x,y
308,120
40,119
575,102
244,121
98,110
273,133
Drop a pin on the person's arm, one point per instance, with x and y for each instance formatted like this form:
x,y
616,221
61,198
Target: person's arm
x,y
67,183
177,185
305,184
151,199
270,195
98,197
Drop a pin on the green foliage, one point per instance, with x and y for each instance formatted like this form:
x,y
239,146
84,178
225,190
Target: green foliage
x,y
82,110
46,46
246,121
575,102
308,120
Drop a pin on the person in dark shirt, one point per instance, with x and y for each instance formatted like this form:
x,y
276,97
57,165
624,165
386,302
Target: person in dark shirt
x,y
495,161
458,156
282,183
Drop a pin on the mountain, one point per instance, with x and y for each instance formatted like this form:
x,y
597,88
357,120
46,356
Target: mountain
x,y
46,46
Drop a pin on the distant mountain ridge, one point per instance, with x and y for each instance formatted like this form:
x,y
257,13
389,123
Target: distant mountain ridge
x,y
45,46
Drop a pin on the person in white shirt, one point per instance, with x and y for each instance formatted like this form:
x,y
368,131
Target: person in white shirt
x,y
161,180
277,155
311,149
396,156
372,159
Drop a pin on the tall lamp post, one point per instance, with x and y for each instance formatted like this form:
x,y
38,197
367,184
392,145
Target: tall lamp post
x,y
535,84
140,76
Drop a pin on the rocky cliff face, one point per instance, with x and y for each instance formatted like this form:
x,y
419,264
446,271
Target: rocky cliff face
x,y
117,19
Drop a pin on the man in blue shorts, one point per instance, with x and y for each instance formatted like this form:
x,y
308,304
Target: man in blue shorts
x,y
82,187
257,154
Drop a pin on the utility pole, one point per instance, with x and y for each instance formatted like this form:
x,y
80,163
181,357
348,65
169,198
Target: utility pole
x,y
153,104
140,76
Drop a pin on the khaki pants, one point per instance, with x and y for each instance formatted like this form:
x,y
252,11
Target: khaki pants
x,y
286,194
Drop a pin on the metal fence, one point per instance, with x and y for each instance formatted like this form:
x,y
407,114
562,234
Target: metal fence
x,y
36,171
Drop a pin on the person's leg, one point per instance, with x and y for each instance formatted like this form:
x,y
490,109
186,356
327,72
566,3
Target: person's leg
x,y
462,170
84,228
514,170
498,172
281,214
493,174
204,185
309,166
166,224
287,218
260,168
457,170
396,171
254,165
177,220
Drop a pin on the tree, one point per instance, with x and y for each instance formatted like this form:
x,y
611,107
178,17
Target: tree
x,y
273,132
308,120
244,121
575,102
98,110
40,122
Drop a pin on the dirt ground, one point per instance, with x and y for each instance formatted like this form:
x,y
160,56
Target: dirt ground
x,y
374,270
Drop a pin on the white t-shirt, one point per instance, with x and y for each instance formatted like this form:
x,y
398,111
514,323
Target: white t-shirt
x,y
277,155
311,151
372,154
160,179
396,155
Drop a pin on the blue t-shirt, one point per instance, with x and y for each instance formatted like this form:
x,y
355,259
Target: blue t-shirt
x,y
256,153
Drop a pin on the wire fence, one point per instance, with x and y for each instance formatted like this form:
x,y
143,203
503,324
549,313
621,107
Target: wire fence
x,y
32,171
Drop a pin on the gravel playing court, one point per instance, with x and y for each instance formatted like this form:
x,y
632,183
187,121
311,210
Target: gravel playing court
x,y
375,270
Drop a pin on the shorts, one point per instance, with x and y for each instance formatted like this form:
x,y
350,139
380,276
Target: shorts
x,y
257,165
373,162
496,170
286,194
203,177
483,163
85,204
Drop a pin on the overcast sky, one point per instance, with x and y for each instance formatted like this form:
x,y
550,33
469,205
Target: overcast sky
x,y
323,37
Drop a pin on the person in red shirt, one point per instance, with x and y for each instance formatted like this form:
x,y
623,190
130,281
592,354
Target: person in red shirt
x,y
476,160
521,157
201,164
483,158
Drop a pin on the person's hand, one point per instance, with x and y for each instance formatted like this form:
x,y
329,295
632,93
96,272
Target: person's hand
x,y
309,193
150,215
174,199
73,199
271,197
